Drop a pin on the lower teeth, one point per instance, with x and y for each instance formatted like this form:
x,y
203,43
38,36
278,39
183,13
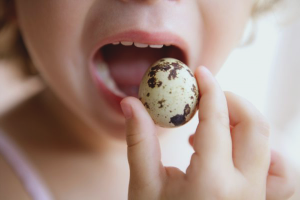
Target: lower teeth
x,y
103,73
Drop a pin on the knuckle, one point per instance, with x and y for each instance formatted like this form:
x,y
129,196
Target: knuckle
x,y
222,188
260,123
223,192
265,128
220,117
223,118
133,140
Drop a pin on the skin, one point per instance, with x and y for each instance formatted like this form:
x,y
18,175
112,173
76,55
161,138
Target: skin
x,y
73,38
60,43
231,133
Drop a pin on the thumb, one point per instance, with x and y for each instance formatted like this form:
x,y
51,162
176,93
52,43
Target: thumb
x,y
143,150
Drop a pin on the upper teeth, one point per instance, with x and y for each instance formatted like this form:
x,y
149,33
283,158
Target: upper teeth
x,y
140,45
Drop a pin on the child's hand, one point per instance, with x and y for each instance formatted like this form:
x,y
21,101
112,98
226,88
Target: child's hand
x,y
280,181
227,164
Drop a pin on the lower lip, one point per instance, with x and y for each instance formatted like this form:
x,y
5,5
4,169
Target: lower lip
x,y
112,100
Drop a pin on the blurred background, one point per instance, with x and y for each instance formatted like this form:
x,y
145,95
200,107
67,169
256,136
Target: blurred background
x,y
266,72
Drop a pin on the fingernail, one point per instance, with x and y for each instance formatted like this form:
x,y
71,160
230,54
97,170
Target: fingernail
x,y
127,110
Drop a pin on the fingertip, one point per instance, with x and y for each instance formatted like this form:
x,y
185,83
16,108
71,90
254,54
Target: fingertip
x,y
198,74
126,108
281,182
203,72
206,80
139,125
143,149
197,71
129,100
131,103
213,117
135,113
277,164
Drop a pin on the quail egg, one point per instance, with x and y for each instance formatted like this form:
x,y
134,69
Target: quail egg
x,y
169,92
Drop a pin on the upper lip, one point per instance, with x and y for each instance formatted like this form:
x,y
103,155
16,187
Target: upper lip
x,y
155,38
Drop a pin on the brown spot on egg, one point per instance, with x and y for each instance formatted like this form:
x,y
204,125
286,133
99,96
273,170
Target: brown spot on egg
x,y
178,120
191,97
198,99
187,109
190,72
152,73
194,89
178,61
152,82
176,65
161,103
148,94
172,75
146,105
159,83
173,72
164,66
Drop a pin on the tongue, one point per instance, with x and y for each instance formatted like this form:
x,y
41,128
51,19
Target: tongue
x,y
127,64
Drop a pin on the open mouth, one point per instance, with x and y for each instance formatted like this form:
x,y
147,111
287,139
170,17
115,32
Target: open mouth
x,y
120,66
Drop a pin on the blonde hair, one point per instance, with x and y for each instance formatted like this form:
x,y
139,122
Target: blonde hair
x,y
12,45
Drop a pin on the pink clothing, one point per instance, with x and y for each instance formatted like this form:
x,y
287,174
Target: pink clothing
x,y
33,184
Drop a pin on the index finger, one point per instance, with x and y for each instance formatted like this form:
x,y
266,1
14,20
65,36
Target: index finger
x,y
212,140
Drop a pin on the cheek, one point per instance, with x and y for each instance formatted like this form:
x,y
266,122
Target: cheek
x,y
51,35
50,30
224,23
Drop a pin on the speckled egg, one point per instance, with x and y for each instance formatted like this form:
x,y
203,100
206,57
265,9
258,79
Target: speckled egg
x,y
169,92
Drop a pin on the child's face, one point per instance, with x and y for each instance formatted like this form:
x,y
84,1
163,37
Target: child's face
x,y
63,38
